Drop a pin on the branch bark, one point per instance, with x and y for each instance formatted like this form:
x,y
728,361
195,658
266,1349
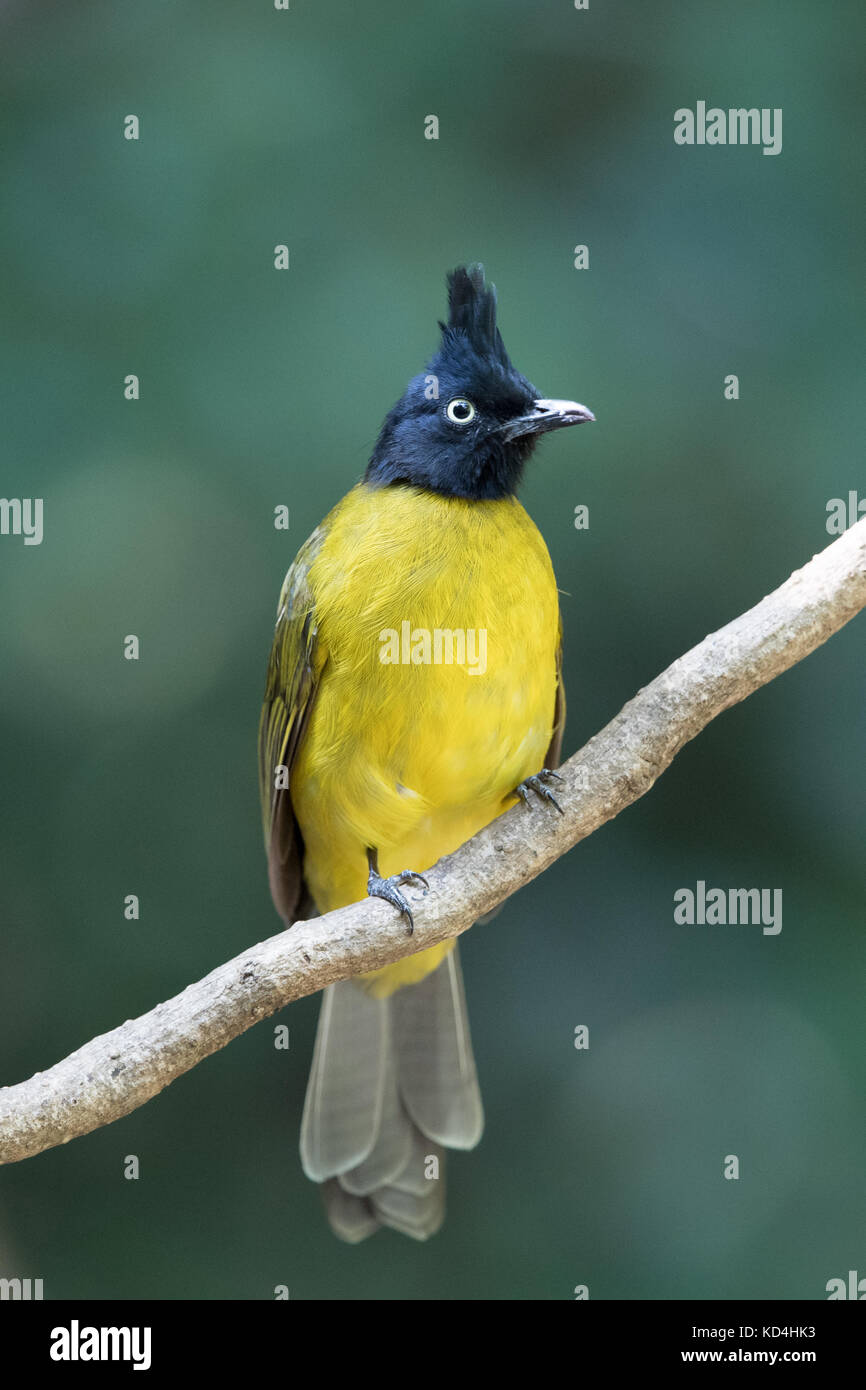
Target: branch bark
x,y
115,1073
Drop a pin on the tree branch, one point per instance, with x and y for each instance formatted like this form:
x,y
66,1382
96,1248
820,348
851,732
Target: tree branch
x,y
118,1071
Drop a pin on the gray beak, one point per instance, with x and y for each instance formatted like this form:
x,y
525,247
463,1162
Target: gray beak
x,y
547,415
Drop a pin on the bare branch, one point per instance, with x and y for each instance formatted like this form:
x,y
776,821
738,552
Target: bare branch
x,y
117,1072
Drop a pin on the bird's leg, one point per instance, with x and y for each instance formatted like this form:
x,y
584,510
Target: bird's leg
x,y
536,784
388,888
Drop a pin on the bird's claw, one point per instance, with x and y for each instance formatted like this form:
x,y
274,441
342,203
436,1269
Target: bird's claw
x,y
389,888
536,784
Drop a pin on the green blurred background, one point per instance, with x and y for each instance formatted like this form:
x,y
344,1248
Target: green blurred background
x,y
259,388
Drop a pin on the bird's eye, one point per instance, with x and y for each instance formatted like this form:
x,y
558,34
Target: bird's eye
x,y
460,411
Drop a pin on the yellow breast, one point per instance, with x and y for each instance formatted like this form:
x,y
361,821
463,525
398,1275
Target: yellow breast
x,y
438,625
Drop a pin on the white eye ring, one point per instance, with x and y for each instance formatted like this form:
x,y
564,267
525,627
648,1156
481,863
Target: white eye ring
x,y
455,411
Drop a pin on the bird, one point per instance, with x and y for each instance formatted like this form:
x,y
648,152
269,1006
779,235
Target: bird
x,y
386,741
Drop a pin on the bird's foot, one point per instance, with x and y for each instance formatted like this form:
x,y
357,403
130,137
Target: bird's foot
x,y
537,785
389,888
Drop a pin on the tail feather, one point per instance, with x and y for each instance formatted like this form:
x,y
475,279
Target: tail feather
x,y
351,1218
438,1081
391,1149
345,1093
393,1080
415,1203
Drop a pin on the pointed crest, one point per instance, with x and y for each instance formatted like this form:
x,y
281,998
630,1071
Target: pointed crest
x,y
472,312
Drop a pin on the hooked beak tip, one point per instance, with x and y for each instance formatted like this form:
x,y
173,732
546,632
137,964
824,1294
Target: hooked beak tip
x,y
563,413
549,415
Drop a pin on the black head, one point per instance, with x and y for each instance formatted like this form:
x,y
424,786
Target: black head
x,y
466,426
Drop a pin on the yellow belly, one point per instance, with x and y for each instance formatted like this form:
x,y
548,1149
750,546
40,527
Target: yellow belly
x,y
406,751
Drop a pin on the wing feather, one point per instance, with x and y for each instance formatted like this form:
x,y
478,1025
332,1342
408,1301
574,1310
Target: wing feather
x,y
554,752
294,669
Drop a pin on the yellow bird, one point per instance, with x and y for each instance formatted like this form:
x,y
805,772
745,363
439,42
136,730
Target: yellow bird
x,y
414,691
